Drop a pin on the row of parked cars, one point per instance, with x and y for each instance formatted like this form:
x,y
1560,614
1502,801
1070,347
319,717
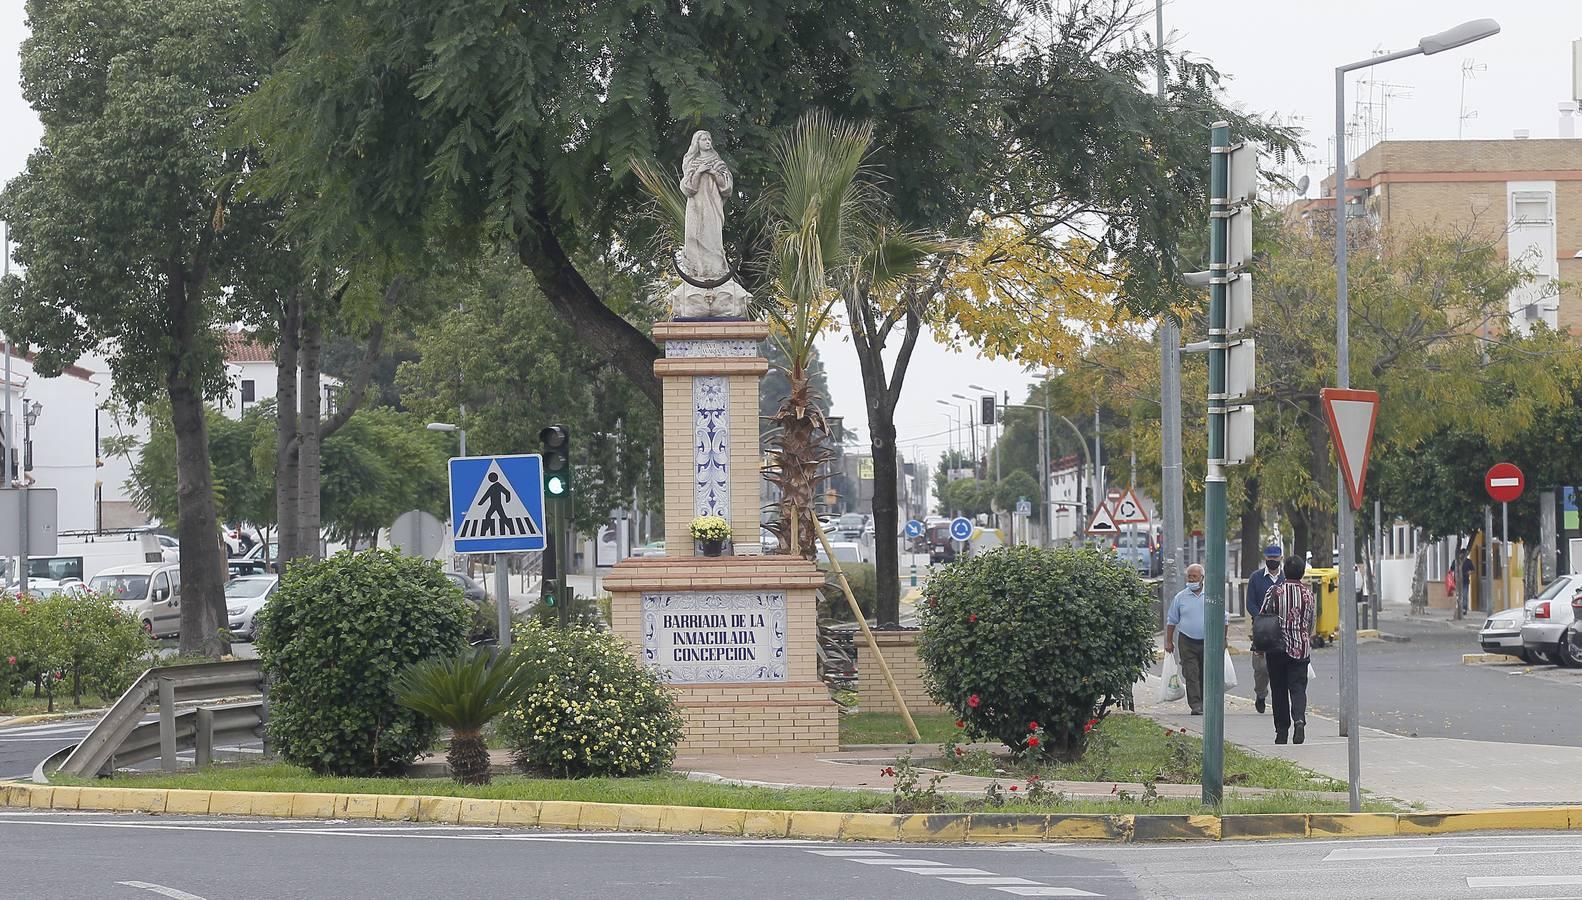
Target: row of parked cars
x,y
1546,629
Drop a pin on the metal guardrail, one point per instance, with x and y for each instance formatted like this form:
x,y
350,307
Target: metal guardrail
x,y
122,736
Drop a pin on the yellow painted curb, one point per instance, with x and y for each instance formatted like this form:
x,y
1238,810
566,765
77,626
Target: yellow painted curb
x,y
39,718
1481,659
1367,632
940,828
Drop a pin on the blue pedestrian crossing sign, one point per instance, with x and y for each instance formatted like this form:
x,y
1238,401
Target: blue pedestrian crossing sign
x,y
914,529
961,528
497,503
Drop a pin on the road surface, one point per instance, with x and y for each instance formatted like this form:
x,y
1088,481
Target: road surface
x,y
87,856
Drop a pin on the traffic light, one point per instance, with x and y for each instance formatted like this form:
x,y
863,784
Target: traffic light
x,y
986,416
556,441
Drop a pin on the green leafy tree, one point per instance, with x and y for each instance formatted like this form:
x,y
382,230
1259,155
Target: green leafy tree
x,y
502,353
125,214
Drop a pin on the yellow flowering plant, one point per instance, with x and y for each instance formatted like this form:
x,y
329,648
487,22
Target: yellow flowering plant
x,y
710,528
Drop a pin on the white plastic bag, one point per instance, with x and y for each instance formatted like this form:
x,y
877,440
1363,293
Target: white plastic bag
x,y
1312,673
1170,686
1230,672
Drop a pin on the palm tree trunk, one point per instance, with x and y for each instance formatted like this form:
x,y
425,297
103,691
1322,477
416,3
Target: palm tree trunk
x,y
468,758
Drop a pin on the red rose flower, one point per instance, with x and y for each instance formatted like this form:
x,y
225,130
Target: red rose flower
x,y
1032,726
10,660
960,752
973,701
1013,787
888,771
1032,742
973,617
960,724
1088,726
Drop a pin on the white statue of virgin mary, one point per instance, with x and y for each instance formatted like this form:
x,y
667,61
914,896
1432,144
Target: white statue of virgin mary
x,y
706,182
708,290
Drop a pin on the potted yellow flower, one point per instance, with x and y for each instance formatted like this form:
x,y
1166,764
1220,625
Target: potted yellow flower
x,y
711,533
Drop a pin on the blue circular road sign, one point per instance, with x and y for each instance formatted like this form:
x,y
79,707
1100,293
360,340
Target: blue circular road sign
x,y
914,529
961,528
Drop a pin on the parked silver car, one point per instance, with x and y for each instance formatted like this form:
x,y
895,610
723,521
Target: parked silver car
x,y
150,591
1502,633
1547,616
244,599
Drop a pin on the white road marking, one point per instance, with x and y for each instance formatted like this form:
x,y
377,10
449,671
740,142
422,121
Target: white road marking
x,y
941,870
1353,853
850,853
1522,880
894,861
1046,892
170,892
991,880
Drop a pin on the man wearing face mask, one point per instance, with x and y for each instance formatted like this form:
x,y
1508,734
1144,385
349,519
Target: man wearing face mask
x,y
1186,622
1258,585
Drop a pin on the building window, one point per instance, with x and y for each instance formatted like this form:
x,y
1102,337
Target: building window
x,y
1532,208
249,390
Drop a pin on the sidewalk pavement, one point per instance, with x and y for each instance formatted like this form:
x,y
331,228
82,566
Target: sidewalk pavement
x,y
1439,773
1471,621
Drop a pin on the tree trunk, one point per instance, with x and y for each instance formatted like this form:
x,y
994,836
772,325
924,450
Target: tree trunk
x,y
202,562
309,514
1251,528
886,515
629,350
286,430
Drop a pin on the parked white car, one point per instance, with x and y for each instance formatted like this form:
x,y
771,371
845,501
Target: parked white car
x,y
1547,616
151,591
244,599
1502,633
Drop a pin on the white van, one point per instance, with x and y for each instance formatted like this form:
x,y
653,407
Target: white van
x,y
151,591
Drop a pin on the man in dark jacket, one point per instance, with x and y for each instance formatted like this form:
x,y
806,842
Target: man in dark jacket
x,y
1258,585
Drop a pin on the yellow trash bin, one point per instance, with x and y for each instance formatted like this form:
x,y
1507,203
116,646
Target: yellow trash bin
x,y
1325,585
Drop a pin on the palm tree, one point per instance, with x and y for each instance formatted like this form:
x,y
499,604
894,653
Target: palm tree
x,y
823,221
463,693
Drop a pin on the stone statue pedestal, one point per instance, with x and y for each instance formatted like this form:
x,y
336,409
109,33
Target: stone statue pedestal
x,y
735,636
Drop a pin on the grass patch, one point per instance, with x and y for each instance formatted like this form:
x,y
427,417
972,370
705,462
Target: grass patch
x,y
660,790
28,705
887,728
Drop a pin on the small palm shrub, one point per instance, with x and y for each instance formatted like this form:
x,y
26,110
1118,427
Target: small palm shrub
x,y
596,711
464,692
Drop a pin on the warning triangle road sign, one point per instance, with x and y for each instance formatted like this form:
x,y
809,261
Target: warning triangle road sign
x,y
1102,522
1351,416
1129,510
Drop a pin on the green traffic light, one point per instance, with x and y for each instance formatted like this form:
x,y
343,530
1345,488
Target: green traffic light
x,y
555,485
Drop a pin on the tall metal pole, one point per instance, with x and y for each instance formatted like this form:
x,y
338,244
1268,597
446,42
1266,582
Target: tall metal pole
x,y
1099,480
1045,495
23,553
1348,574
1173,506
8,437
1487,582
1505,555
1378,559
1214,486
502,600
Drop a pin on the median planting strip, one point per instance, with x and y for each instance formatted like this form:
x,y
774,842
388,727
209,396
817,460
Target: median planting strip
x,y
944,828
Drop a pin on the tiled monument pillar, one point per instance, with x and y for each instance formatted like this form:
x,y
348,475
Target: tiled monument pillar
x,y
735,636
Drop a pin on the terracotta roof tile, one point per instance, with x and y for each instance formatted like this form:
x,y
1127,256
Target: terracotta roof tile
x,y
242,348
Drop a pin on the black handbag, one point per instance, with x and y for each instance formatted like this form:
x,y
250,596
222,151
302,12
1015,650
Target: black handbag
x,y
1266,634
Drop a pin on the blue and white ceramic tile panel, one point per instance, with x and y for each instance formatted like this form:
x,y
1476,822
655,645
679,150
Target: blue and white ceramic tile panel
x,y
711,446
710,349
697,637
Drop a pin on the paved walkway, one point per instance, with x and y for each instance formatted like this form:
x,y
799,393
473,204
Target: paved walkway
x,y
1439,773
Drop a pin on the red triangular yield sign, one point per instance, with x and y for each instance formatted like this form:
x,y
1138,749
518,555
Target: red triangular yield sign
x,y
1351,416
1102,522
1129,510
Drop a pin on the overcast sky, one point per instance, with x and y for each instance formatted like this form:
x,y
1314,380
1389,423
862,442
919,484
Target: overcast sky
x,y
1279,57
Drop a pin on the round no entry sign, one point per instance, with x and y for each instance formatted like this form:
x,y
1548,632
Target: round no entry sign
x,y
1504,482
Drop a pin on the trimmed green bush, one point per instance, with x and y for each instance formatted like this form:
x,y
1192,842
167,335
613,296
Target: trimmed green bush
x,y
832,605
597,711
1024,643
333,639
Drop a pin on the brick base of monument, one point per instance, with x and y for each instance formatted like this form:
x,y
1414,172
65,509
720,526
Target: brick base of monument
x,y
900,651
783,708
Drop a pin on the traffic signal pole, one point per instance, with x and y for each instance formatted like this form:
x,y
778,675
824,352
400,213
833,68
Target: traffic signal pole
x,y
1214,487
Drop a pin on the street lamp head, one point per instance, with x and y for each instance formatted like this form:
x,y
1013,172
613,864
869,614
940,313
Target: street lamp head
x,y
1461,35
441,426
946,403
979,387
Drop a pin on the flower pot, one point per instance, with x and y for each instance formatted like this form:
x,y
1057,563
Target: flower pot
x,y
712,546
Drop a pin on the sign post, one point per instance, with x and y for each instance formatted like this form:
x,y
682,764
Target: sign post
x,y
1504,482
961,531
1352,415
497,506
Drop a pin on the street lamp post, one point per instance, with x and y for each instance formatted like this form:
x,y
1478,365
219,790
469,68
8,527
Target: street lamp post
x,y
955,416
461,433
972,429
30,413
1462,34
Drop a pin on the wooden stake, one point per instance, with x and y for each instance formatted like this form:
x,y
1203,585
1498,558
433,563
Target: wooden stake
x,y
862,622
